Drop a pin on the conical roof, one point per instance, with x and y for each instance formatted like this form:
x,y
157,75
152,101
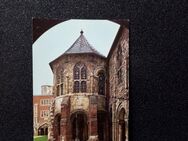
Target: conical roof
x,y
81,45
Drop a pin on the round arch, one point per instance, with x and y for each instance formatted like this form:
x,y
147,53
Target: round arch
x,y
99,69
102,125
43,129
122,123
57,125
79,125
40,26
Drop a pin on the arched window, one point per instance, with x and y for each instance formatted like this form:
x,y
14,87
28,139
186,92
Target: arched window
x,y
61,88
83,86
57,90
120,77
61,85
76,86
76,72
59,81
83,72
62,71
101,83
58,78
80,76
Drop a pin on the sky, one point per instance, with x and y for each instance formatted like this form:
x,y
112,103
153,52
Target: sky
x,y
55,41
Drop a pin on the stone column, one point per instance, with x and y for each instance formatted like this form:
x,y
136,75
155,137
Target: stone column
x,y
127,120
126,130
113,122
65,119
51,123
93,135
116,129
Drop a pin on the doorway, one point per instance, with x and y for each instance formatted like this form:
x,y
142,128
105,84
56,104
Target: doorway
x,y
79,127
101,122
122,135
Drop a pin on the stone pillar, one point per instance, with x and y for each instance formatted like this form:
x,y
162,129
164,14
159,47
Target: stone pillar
x,y
93,135
126,130
51,123
67,84
116,132
127,120
113,122
65,119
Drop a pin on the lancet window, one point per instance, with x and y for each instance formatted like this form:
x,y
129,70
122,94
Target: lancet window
x,y
80,77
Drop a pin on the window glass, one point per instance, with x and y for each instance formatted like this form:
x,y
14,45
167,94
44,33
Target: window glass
x,y
76,86
83,86
101,83
80,76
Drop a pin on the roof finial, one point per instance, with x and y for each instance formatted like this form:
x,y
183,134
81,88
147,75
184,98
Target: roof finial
x,y
81,32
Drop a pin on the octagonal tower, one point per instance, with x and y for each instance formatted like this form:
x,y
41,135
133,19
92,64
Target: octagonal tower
x,y
80,108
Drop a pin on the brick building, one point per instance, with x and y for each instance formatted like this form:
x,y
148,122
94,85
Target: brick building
x,y
91,92
41,110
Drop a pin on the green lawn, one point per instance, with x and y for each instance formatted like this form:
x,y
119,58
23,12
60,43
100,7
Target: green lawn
x,y
40,138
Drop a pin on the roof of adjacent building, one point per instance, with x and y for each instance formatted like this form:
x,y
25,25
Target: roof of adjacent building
x,y
81,46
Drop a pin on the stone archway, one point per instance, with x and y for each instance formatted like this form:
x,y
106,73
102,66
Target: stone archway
x,y
79,126
40,26
122,125
101,125
43,129
57,127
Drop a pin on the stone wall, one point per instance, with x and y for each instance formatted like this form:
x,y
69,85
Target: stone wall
x,y
118,89
114,103
67,63
88,103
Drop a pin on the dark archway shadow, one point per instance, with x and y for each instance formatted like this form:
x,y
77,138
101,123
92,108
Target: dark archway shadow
x,y
122,125
57,129
43,129
79,126
101,122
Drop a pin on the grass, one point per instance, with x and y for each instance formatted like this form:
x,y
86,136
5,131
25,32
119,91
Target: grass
x,y
40,138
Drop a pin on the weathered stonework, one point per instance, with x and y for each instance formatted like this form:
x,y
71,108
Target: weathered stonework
x,y
119,92
87,103
91,115
66,63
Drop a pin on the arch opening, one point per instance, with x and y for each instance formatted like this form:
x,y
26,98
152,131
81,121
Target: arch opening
x,y
122,125
57,129
101,82
101,122
79,127
43,129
